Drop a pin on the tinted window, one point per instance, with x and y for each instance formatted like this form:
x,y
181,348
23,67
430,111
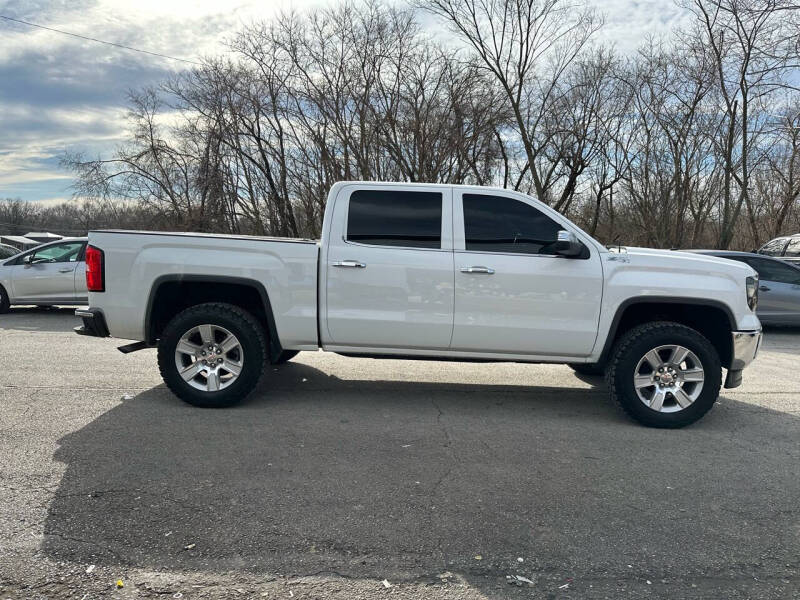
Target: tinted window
x,y
793,249
7,252
68,252
773,248
773,270
501,224
395,218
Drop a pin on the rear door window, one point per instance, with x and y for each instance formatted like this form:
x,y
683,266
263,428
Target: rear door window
x,y
395,218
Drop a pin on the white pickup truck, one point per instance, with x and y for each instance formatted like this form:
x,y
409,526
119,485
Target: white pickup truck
x,y
418,271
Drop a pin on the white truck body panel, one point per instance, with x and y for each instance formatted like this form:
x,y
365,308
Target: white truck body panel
x,y
401,298
674,275
541,305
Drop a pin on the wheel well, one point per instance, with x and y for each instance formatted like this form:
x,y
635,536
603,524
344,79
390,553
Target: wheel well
x,y
171,297
711,321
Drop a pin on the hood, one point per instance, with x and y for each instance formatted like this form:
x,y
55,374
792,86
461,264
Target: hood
x,y
688,261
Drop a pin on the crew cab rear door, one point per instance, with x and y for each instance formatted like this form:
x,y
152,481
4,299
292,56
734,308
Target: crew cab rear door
x,y
513,294
389,268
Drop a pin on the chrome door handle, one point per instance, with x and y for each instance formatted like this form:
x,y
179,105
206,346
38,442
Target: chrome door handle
x,y
353,264
485,270
66,270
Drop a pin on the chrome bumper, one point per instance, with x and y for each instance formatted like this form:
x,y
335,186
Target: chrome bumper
x,y
745,348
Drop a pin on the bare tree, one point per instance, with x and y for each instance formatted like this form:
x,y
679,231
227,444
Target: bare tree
x,y
527,46
752,42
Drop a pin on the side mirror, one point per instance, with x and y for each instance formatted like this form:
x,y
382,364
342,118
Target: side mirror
x,y
27,260
567,244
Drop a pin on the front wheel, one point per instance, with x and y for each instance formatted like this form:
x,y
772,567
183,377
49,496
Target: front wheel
x,y
212,355
665,374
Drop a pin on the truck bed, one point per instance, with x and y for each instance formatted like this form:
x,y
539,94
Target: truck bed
x,y
137,262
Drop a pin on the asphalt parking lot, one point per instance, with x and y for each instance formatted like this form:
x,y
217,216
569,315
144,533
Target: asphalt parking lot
x,y
441,478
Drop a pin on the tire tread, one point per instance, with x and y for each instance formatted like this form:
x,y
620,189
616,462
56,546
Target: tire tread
x,y
231,311
633,336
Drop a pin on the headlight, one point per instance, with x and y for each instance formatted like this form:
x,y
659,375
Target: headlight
x,y
752,292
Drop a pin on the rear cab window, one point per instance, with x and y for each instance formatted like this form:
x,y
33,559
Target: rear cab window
x,y
398,218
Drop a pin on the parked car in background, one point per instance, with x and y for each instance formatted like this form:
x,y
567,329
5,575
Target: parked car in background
x,y
7,251
779,286
49,274
786,248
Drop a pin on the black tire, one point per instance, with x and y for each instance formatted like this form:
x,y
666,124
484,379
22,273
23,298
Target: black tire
x,y
633,346
5,303
589,369
285,356
241,324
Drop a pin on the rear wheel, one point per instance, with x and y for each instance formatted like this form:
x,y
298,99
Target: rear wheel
x,y
665,374
212,355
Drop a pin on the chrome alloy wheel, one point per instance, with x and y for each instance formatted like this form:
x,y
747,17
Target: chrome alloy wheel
x,y
209,357
668,378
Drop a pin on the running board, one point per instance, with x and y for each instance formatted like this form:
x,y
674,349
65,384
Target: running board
x,y
128,348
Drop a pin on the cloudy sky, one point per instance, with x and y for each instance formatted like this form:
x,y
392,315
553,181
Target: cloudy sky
x,y
61,93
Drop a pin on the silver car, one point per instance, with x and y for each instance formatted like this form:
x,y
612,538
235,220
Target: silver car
x,y
778,289
786,248
49,274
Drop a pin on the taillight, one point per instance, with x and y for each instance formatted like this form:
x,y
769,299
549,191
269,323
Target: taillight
x,y
95,270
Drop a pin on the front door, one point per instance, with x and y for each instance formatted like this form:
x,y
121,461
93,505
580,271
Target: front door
x,y
513,294
49,273
389,268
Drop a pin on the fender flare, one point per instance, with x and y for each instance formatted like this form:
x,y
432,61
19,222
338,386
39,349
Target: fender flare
x,y
626,304
272,329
